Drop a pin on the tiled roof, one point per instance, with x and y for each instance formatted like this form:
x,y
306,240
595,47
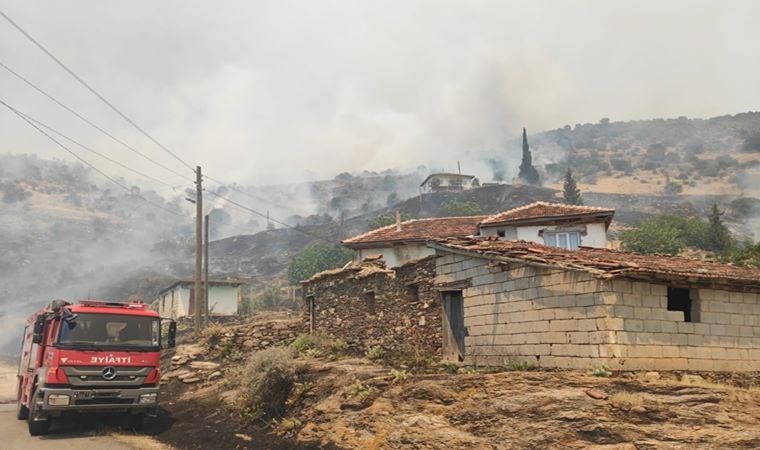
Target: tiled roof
x,y
605,263
419,230
543,211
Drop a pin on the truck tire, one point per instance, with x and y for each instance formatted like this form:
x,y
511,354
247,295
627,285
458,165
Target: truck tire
x,y
22,412
36,427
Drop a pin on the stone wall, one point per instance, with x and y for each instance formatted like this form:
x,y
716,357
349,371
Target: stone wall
x,y
368,305
569,319
723,336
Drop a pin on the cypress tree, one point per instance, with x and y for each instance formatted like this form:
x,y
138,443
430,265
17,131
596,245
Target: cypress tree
x,y
718,237
572,194
528,173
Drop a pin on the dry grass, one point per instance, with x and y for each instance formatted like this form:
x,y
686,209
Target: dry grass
x,y
627,400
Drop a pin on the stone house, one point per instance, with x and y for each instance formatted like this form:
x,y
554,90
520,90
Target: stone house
x,y
437,182
367,304
554,224
407,241
554,307
178,299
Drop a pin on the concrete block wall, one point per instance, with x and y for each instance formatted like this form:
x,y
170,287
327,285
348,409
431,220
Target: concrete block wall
x,y
568,319
549,317
723,336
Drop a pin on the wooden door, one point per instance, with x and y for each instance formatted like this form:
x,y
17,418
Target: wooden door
x,y
454,330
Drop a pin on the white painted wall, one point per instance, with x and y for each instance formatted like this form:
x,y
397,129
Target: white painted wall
x,y
596,234
398,255
222,300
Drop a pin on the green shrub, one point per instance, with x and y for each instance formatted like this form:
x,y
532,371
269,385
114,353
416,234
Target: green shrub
x,y
412,357
338,347
361,390
374,353
516,365
317,258
600,371
302,343
398,375
267,381
454,208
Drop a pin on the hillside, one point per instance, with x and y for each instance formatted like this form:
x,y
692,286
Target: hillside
x,y
340,401
720,155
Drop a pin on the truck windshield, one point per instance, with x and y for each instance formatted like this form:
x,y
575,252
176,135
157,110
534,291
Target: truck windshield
x,y
110,330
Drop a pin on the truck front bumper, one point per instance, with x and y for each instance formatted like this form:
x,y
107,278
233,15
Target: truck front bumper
x,y
65,399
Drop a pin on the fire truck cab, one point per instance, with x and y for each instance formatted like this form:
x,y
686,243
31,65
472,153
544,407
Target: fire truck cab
x,y
89,357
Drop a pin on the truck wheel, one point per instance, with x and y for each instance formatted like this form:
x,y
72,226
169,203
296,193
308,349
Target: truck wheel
x,y
136,421
36,427
22,412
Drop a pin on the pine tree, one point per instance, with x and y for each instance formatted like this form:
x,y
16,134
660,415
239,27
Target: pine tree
x,y
572,194
718,237
528,173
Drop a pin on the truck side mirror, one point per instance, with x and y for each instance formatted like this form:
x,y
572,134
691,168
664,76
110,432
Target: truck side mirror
x,y
171,339
39,327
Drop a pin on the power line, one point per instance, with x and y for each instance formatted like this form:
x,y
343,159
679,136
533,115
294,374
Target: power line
x,y
93,91
254,197
126,188
106,157
87,121
246,208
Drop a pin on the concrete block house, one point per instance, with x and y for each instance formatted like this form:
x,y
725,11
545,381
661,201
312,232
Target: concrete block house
x,y
488,299
575,309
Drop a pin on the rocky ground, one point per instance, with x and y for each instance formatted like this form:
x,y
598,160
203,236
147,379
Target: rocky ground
x,y
350,402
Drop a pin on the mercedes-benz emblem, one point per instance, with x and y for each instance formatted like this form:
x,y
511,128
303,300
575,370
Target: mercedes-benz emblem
x,y
109,373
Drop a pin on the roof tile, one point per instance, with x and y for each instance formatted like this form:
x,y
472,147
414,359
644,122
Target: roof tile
x,y
611,263
544,210
420,230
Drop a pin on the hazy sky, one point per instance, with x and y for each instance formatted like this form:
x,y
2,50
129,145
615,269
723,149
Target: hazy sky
x,y
268,92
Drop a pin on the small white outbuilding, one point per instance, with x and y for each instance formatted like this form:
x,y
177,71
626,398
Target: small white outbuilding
x,y
178,300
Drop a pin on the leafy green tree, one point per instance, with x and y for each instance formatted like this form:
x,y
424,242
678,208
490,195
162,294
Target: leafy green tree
x,y
453,208
317,258
653,236
718,238
571,193
383,220
527,173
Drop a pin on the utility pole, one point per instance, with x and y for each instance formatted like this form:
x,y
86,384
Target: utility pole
x,y
205,273
198,299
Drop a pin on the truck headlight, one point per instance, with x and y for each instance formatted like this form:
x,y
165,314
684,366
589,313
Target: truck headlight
x,y
58,400
146,399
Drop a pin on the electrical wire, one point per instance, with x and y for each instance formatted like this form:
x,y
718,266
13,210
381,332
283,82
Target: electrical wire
x,y
271,219
126,188
106,157
89,122
254,197
94,92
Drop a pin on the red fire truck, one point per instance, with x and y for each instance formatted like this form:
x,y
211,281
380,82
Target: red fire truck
x,y
93,356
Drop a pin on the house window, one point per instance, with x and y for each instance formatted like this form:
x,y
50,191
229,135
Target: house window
x,y
569,240
501,233
680,300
